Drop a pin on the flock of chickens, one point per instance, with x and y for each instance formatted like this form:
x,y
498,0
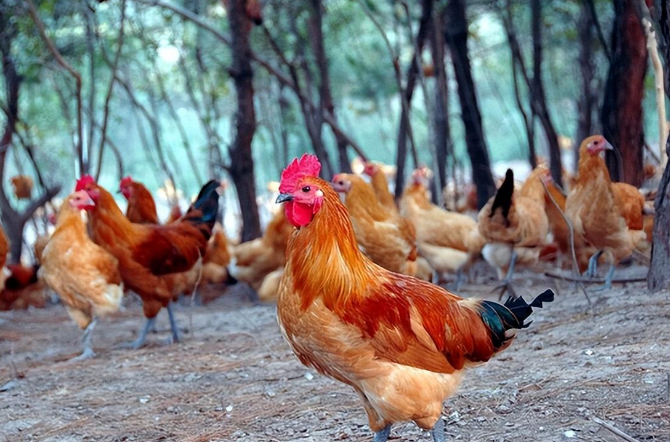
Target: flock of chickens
x,y
352,279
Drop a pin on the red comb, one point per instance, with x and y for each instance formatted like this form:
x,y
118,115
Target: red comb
x,y
126,181
83,182
307,165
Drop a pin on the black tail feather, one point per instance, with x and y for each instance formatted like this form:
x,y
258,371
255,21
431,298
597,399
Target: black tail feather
x,y
512,315
207,203
230,279
503,198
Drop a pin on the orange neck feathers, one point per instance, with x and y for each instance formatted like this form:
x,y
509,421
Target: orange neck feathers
x,y
70,217
107,220
589,166
361,197
323,257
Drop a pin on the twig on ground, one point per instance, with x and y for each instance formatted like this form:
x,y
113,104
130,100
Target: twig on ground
x,y
614,430
579,279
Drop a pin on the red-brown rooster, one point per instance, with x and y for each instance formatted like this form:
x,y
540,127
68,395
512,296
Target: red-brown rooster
x,y
400,342
150,255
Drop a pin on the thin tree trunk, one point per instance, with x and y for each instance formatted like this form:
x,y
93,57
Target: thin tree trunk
x,y
659,277
621,114
456,36
539,96
242,173
588,99
519,68
325,97
404,128
443,141
13,221
283,110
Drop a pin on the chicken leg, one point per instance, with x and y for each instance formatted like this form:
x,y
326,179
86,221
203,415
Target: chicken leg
x,y
139,342
506,284
592,269
88,350
438,431
608,279
382,435
173,324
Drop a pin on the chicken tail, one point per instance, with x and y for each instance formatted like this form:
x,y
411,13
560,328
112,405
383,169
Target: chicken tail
x,y
503,198
230,279
501,318
206,206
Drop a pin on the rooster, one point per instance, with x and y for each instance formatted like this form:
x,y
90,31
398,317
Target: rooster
x,y
141,205
515,225
154,260
400,342
607,215
84,275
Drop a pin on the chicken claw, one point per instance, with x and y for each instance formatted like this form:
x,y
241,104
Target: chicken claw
x,y
506,284
382,435
88,351
139,342
608,280
438,431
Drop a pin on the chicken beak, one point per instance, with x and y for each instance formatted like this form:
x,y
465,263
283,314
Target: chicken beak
x,y
607,146
284,197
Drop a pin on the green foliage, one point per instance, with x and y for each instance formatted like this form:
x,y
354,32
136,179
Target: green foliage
x,y
192,64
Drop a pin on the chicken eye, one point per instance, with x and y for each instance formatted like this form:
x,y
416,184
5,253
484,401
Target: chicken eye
x,y
306,189
341,183
596,142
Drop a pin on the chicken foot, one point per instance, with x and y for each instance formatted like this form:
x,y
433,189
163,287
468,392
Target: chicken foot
x,y
608,279
382,435
88,350
173,324
139,342
592,269
506,284
438,431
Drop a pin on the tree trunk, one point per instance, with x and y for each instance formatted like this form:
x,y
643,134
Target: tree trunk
x,y
519,68
621,114
326,99
588,99
283,110
408,93
241,160
539,98
10,218
456,36
659,277
443,141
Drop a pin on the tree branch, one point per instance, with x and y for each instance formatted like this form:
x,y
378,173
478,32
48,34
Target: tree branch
x,y
110,89
50,193
77,78
282,77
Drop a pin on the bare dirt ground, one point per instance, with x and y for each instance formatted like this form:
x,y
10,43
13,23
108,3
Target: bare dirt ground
x,y
233,378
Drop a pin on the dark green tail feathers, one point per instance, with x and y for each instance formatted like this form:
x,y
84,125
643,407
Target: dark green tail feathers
x,y
499,318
